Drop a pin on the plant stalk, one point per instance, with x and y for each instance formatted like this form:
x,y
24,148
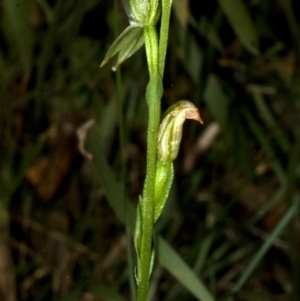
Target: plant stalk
x,y
153,95
164,33
155,53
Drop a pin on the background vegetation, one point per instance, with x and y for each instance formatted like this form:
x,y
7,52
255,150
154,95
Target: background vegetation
x,y
232,215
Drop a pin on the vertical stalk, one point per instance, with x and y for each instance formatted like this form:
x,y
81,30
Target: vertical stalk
x,y
151,44
126,44
153,95
164,33
156,54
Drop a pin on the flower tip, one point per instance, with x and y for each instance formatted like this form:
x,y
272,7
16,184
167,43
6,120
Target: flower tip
x,y
195,115
200,119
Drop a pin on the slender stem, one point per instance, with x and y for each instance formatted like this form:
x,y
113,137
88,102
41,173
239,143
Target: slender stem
x,y
153,96
151,43
156,61
164,33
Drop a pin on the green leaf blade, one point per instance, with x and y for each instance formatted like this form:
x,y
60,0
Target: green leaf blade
x,y
171,261
241,23
127,43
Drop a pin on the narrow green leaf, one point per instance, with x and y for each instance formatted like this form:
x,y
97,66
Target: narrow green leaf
x,y
241,23
241,148
113,189
179,269
210,32
107,121
263,139
274,199
294,208
17,14
127,43
270,120
127,52
204,249
193,56
217,101
181,9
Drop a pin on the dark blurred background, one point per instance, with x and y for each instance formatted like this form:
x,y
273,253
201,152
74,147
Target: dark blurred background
x,y
235,177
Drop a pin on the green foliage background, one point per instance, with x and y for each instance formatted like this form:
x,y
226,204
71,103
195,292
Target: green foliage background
x,y
232,215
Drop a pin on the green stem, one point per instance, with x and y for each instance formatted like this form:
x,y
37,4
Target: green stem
x,y
164,33
151,44
153,96
156,61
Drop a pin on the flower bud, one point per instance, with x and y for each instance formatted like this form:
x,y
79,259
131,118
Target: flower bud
x,y
144,12
170,130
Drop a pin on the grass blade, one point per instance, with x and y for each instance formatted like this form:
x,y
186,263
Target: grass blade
x,y
17,13
217,101
241,23
171,261
267,244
